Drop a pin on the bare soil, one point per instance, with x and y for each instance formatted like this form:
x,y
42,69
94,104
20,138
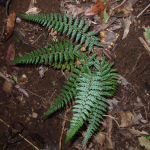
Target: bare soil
x,y
17,113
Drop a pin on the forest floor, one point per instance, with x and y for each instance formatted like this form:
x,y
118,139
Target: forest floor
x,y
128,116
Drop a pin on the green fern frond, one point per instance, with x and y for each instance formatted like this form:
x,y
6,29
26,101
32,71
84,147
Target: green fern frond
x,y
70,90
92,90
76,29
55,55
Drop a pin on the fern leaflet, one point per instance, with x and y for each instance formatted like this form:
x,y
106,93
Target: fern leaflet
x,y
76,30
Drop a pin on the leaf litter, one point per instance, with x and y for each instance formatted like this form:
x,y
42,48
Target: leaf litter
x,y
130,122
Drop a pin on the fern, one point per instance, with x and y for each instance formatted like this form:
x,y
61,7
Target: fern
x,y
76,29
89,88
70,91
92,89
54,56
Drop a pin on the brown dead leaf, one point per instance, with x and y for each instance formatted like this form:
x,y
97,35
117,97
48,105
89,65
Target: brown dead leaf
x,y
10,26
137,118
7,86
137,132
127,119
127,22
95,8
10,52
109,143
100,138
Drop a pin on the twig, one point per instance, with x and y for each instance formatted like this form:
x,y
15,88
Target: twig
x,y
63,126
37,39
142,11
21,136
36,95
51,96
134,68
8,79
6,8
145,44
61,117
142,69
23,41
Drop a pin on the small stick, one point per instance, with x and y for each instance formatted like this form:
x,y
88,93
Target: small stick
x,y
37,39
142,70
142,11
51,96
8,79
63,126
36,95
145,44
134,68
21,136
7,4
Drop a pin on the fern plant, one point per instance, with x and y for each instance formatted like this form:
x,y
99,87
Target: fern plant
x,y
88,88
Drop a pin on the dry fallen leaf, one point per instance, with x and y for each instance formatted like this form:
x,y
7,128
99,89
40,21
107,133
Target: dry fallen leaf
x,y
33,10
95,8
7,86
10,26
137,118
127,22
127,119
137,132
100,138
10,52
42,70
144,142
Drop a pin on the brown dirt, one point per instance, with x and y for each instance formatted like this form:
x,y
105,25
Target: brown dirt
x,y
17,112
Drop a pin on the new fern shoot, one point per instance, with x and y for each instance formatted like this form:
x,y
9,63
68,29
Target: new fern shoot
x,y
88,88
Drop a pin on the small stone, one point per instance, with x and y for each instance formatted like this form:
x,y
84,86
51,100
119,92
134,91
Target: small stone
x,y
34,115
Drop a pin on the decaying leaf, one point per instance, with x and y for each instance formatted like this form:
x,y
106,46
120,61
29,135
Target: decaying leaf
x,y
9,26
127,22
137,132
73,9
10,52
32,9
144,142
137,118
127,119
42,70
95,8
109,143
100,138
7,86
